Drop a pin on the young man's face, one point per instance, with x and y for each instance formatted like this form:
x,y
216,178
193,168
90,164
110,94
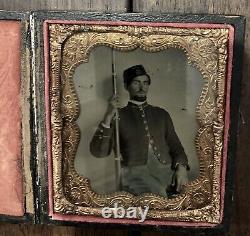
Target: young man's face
x,y
138,88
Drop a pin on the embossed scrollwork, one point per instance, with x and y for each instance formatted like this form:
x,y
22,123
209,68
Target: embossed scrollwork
x,y
206,49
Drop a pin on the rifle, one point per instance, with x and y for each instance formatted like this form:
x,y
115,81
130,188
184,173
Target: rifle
x,y
118,157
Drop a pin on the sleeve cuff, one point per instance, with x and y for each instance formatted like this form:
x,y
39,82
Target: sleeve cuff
x,y
105,126
175,166
103,131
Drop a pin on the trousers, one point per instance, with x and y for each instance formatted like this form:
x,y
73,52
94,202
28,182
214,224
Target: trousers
x,y
153,177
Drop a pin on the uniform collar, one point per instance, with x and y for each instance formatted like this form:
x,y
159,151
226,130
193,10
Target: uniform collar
x,y
137,104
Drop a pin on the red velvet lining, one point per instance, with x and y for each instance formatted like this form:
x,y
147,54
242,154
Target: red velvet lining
x,y
11,184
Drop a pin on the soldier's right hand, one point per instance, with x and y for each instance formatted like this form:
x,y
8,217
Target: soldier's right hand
x,y
113,104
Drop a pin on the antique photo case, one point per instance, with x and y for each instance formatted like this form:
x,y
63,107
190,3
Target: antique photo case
x,y
189,70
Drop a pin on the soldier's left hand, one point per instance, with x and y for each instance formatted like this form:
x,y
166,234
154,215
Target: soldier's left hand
x,y
180,178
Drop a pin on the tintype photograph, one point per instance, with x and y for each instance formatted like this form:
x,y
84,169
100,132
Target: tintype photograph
x,y
156,95
138,116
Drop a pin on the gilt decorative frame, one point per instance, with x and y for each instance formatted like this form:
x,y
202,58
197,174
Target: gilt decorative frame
x,y
208,47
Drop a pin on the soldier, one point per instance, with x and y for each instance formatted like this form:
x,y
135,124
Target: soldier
x,y
149,144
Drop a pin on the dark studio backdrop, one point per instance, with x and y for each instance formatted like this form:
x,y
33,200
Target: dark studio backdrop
x,y
240,222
